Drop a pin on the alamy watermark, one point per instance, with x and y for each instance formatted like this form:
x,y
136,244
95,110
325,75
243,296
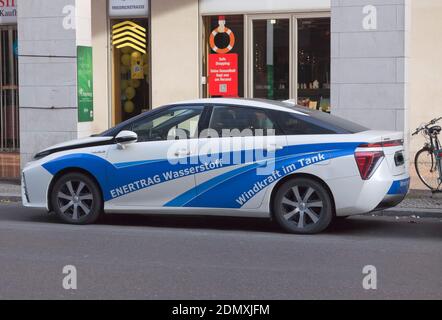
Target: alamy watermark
x,y
247,146
370,19
70,279
370,279
69,20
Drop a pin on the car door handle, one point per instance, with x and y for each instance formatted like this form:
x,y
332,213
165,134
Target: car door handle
x,y
273,148
182,153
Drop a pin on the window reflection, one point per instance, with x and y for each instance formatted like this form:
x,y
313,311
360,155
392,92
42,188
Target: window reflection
x,y
271,59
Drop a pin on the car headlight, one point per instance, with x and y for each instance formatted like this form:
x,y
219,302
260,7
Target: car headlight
x,y
25,187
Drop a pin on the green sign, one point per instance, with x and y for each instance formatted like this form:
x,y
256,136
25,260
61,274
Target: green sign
x,y
85,92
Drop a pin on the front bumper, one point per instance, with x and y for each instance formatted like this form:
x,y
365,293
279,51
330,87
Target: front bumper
x,y
24,190
35,184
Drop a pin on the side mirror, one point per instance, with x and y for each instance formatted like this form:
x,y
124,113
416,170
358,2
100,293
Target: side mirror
x,y
125,138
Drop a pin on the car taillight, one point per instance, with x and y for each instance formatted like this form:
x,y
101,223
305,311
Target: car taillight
x,y
368,162
384,144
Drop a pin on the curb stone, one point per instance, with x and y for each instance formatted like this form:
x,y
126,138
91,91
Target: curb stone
x,y
9,199
409,212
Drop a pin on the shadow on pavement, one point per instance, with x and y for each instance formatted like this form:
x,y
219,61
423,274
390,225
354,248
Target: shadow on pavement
x,y
388,227
359,226
192,222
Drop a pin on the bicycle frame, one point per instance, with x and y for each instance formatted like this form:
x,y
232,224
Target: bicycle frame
x,y
435,147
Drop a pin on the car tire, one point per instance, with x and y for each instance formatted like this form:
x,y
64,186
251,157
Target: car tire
x,y
303,206
77,199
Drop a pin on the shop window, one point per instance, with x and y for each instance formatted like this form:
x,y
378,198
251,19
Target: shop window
x,y
277,72
223,56
9,111
9,104
130,64
314,63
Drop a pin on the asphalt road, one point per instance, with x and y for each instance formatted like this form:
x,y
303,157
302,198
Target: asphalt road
x,y
148,257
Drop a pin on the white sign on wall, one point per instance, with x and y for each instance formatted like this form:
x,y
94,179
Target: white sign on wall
x,y
261,6
8,11
128,8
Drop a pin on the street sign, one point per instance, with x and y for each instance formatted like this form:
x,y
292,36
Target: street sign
x,y
128,8
8,12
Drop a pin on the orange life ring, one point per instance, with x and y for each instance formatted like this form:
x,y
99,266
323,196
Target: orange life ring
x,y
220,50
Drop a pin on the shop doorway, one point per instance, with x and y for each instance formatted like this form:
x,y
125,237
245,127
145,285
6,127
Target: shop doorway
x,y
130,68
269,56
9,107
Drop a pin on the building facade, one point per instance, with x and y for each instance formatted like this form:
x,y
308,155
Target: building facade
x,y
86,65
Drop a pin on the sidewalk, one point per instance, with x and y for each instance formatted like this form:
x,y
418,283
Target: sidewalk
x,y
10,192
418,204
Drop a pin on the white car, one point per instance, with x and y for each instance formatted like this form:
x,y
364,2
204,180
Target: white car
x,y
230,157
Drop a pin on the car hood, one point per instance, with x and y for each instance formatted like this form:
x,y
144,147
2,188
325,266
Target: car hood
x,y
74,144
90,141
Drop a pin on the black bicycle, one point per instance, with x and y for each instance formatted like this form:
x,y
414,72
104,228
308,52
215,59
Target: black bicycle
x,y
428,160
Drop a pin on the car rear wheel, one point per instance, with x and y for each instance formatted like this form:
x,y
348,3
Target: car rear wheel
x,y
76,199
303,206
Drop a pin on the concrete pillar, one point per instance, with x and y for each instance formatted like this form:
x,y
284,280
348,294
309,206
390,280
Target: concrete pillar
x,y
48,34
368,71
175,60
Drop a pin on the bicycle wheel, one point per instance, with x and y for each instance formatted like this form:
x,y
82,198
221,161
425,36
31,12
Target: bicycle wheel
x,y
426,168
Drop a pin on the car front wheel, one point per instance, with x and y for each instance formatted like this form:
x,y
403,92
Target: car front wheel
x,y
76,199
303,206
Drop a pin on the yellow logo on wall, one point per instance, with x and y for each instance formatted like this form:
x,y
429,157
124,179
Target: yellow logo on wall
x,y
129,34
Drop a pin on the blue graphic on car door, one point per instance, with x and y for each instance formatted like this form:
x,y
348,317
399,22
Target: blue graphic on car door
x,y
232,189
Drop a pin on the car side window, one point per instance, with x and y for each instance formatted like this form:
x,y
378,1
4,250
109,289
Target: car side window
x,y
178,122
241,121
294,124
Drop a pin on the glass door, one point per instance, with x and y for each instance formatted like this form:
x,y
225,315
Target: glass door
x,y
270,64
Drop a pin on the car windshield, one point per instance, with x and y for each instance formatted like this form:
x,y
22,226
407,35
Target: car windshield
x,y
126,125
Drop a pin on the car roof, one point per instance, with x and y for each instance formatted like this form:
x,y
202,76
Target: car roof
x,y
255,103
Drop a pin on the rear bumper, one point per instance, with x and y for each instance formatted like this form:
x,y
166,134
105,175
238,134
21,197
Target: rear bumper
x,y
397,193
390,201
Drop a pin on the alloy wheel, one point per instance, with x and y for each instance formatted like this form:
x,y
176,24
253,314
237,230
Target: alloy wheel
x,y
302,205
75,199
